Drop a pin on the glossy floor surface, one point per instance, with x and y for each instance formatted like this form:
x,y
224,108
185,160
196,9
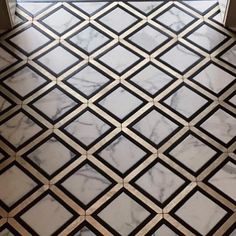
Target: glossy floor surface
x,y
118,119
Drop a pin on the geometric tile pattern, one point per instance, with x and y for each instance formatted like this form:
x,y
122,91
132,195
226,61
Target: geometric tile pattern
x,y
117,118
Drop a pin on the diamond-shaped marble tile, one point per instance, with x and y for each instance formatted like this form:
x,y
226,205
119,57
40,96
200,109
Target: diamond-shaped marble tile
x,y
51,155
34,8
25,81
231,100
58,60
89,8
131,214
185,101
115,103
119,59
3,155
16,184
155,127
191,212
88,80
151,79
122,154
165,229
225,178
85,229
202,7
172,56
86,128
118,19
146,7
19,129
61,20
220,124
148,38
7,230
44,210
29,40
5,104
207,37
214,78
159,182
85,184
175,18
7,59
55,104
192,152
89,39
229,55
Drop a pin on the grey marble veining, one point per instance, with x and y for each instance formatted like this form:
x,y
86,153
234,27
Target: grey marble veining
x,y
84,232
4,104
164,231
230,55
146,7
34,8
51,155
89,7
6,59
86,184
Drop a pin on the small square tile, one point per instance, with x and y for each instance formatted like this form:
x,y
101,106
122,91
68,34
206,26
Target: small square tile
x,y
171,56
88,80
119,59
29,40
89,39
115,103
118,19
175,19
46,209
55,104
57,60
85,184
61,20
148,38
186,102
207,37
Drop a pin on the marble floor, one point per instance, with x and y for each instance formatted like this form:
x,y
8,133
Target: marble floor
x,y
118,118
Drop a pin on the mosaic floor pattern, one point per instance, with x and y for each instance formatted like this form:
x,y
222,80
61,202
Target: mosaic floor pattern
x,y
118,118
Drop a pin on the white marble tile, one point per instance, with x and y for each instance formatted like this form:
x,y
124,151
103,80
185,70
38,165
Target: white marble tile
x,y
30,40
164,231
175,19
185,101
4,104
6,232
192,213
88,80
84,232
86,184
19,129
34,8
233,233
207,37
16,184
122,154
116,102
192,152
2,156
55,104
61,20
58,59
118,20
89,39
51,155
90,7
124,214
229,56
151,79
6,59
155,127
172,57
46,216
24,81
218,17
233,100
119,58
148,38
147,6
221,125
214,78
201,6
225,179
159,182
87,128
